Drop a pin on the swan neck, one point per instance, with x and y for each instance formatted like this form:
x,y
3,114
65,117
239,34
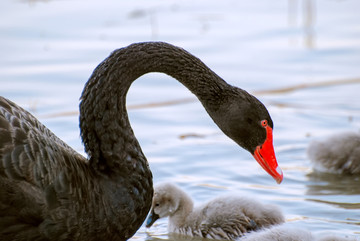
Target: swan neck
x,y
184,210
105,127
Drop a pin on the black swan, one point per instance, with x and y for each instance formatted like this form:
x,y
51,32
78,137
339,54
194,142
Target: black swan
x,y
50,192
225,217
339,153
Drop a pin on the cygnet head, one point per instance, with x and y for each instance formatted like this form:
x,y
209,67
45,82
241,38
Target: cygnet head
x,y
167,200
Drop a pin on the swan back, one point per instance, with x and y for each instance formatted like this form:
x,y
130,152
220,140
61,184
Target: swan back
x,y
223,208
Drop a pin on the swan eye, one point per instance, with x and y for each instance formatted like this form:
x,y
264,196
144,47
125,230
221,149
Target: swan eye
x,y
264,123
157,204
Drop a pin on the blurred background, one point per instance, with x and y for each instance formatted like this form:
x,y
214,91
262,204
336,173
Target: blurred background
x,y
301,58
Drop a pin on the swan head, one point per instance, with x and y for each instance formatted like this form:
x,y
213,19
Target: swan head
x,y
244,119
168,200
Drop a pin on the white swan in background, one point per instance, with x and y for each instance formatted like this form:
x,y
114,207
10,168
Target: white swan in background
x,y
225,217
339,153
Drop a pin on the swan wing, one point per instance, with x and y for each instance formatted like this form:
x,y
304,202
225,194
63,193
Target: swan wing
x,y
228,229
220,223
28,150
32,180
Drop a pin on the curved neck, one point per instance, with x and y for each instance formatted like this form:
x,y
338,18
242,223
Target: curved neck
x,y
105,127
183,214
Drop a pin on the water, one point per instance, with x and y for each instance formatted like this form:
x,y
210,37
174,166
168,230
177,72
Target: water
x,y
49,49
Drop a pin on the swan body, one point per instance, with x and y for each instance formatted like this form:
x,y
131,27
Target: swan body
x,y
338,154
225,217
50,192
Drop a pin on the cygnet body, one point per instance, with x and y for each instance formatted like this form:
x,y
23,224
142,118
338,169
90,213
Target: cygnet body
x,y
338,154
284,232
225,217
279,233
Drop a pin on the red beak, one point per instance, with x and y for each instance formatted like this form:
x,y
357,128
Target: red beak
x,y
265,156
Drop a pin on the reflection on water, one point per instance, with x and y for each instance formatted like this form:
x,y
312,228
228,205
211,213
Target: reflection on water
x,y
337,204
308,9
332,184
